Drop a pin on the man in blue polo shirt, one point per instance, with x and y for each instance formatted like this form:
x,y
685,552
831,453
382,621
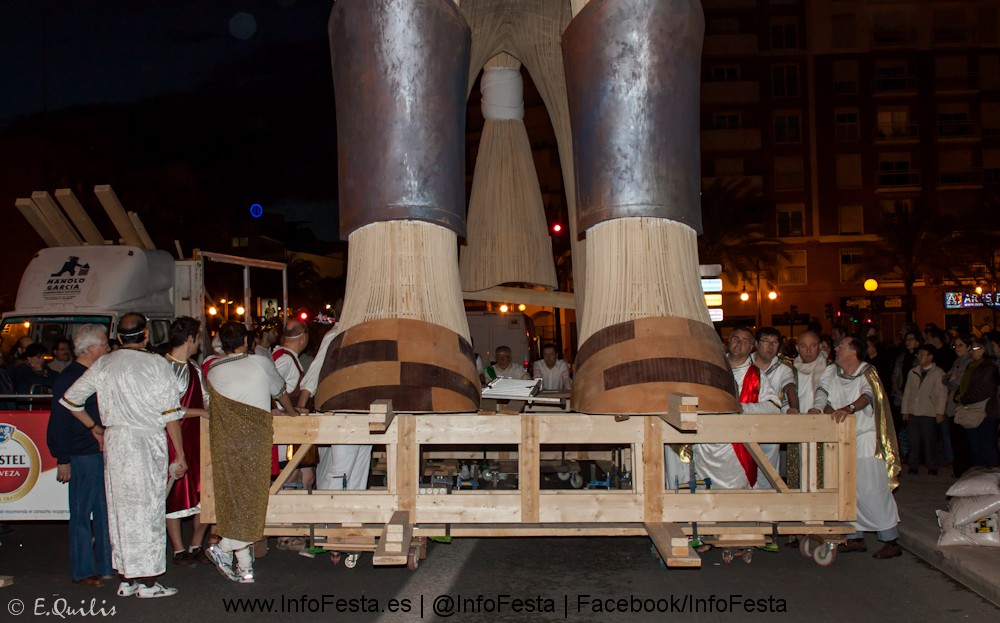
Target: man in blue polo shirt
x,y
81,464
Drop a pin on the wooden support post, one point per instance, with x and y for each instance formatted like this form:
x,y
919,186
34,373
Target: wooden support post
x,y
653,478
207,497
528,466
380,416
764,465
682,412
407,467
847,509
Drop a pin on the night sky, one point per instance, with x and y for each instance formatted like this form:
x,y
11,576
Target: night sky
x,y
192,110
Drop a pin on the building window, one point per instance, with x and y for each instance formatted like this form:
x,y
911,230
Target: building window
x,y
793,269
784,34
785,80
788,173
791,219
725,73
891,208
241,242
896,170
852,265
846,125
892,76
852,222
894,123
726,121
849,171
954,123
787,127
845,77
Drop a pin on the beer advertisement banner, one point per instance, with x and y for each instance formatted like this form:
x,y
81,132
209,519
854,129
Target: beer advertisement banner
x,y
28,485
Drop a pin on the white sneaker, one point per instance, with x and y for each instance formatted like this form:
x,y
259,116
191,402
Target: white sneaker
x,y
127,589
223,561
245,576
156,590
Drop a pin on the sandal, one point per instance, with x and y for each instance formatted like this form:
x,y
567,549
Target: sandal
x,y
291,543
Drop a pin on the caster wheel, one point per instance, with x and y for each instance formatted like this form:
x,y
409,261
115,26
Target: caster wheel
x,y
564,476
825,554
576,480
806,546
352,560
727,556
413,559
747,556
335,558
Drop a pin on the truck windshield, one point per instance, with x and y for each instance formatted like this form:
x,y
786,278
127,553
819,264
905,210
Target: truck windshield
x,y
45,330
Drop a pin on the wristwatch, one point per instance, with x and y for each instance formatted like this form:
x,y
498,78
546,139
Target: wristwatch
x,y
851,408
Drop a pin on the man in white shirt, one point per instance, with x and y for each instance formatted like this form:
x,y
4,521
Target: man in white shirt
x,y
809,364
286,359
554,372
780,376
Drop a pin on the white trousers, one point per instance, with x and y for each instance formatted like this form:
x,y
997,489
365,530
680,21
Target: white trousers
x,y
343,467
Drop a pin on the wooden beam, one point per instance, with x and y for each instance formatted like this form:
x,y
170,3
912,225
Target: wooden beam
x,y
543,298
54,216
109,200
407,464
74,210
380,416
653,485
34,217
290,467
847,509
528,476
682,412
669,538
140,229
207,496
764,464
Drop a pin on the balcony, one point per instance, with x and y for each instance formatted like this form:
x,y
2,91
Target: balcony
x,y
904,178
894,85
746,139
958,130
738,92
956,84
969,177
730,45
897,132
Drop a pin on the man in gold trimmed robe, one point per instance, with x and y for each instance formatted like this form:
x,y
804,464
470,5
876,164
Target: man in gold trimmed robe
x,y
853,387
240,388
138,396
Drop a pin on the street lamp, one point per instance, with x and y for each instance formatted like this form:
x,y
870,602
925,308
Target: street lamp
x,y
870,286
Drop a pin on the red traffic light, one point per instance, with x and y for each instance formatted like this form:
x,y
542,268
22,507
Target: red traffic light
x,y
304,315
556,228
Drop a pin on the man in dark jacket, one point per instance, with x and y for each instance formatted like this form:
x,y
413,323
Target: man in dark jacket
x,y
81,464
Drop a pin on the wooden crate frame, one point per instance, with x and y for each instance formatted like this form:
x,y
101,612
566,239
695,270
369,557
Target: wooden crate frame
x,y
648,509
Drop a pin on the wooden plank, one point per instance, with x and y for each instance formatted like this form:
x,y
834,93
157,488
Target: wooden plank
x,y
502,294
293,507
74,210
653,475
109,200
31,214
528,466
669,538
380,416
6,580
388,551
682,412
57,221
595,504
407,465
764,465
207,497
812,476
748,505
847,509
831,466
140,230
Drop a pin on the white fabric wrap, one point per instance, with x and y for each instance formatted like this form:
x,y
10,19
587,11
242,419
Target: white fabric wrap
x,y
503,93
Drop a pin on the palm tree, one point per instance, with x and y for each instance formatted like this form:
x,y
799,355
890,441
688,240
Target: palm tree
x,y
914,239
733,230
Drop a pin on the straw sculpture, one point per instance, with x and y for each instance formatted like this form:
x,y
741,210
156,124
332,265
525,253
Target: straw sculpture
x,y
508,240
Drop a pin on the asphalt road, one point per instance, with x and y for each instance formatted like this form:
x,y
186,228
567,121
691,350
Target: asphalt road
x,y
531,579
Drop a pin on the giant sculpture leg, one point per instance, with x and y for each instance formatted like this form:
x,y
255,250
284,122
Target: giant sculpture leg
x,y
400,72
632,73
